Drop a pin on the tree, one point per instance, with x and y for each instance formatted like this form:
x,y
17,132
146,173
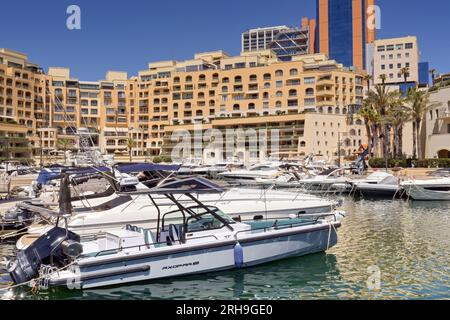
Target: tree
x,y
383,78
370,121
397,116
381,99
405,73
419,104
64,144
131,143
368,78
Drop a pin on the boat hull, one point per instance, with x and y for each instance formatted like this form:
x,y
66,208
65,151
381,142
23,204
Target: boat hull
x,y
252,250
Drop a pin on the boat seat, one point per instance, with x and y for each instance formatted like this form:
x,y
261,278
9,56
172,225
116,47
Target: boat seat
x,y
176,234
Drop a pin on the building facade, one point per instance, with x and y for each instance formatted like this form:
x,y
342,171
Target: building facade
x,y
212,89
260,38
436,127
343,32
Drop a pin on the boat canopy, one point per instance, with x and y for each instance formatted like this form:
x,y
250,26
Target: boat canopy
x,y
54,173
143,167
194,185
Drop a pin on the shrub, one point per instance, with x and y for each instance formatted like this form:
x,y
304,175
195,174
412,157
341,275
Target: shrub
x,y
407,163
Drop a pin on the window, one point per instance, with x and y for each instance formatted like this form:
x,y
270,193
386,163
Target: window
x,y
278,104
279,73
310,80
267,77
383,57
253,78
399,65
391,66
279,84
399,56
292,93
267,85
409,45
390,47
279,94
399,46
383,67
293,72
407,55
391,56
381,48
407,64
188,79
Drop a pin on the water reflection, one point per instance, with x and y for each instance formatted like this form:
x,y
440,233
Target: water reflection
x,y
408,241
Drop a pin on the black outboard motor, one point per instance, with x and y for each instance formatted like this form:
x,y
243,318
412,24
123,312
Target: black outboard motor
x,y
16,218
55,248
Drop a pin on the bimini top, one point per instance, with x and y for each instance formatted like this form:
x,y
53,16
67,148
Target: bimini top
x,y
194,185
48,174
143,167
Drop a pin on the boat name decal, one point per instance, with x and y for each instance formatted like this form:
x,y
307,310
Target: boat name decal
x,y
191,264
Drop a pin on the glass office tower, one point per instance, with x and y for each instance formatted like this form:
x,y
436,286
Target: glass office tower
x,y
342,31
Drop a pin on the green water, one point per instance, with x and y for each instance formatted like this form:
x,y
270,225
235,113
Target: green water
x,y
408,242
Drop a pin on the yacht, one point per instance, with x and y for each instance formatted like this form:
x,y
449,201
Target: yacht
x,y
267,170
428,190
187,240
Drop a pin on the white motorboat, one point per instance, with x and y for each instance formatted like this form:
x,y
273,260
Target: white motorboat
x,y
428,190
268,170
202,240
378,184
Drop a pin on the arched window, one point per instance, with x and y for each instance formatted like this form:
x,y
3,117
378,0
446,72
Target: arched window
x,y
279,94
253,77
309,92
238,79
175,106
303,144
279,73
187,105
188,79
292,93
251,106
330,110
212,103
201,95
358,122
278,104
215,76
236,107
164,101
353,132
293,72
199,113
156,101
320,111
337,111
176,80
224,89
202,77
226,80
267,85
344,111
265,95
267,76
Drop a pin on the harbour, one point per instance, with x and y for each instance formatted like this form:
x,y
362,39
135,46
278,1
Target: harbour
x,y
407,241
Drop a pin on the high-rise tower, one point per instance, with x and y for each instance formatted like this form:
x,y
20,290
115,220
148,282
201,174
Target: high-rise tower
x,y
343,32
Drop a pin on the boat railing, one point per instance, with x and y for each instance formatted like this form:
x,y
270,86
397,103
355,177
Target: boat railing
x,y
144,246
288,226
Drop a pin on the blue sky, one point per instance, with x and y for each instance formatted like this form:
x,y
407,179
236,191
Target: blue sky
x,y
126,35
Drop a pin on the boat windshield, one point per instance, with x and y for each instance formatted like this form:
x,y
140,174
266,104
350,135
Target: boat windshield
x,y
204,220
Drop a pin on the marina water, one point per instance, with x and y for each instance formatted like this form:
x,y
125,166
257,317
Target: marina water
x,y
407,242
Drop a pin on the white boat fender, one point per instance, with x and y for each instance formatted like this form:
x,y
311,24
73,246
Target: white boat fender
x,y
238,255
340,215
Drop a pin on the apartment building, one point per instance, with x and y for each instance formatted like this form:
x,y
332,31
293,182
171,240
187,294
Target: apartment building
x,y
436,127
212,88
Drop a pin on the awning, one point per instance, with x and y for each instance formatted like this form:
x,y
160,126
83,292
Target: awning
x,y
143,167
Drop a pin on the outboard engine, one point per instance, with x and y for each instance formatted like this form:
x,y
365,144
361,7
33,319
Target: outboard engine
x,y
16,218
55,248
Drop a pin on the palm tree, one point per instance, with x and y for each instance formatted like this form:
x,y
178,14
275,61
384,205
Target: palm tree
x,y
131,143
64,144
383,78
398,115
370,121
368,78
405,73
419,103
381,99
